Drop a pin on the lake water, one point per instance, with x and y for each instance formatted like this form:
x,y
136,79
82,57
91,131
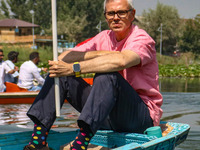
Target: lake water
x,y
181,104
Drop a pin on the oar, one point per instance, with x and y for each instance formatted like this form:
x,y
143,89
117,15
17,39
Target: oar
x,y
55,56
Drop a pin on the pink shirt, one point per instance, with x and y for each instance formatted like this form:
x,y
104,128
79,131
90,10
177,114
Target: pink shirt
x,y
143,77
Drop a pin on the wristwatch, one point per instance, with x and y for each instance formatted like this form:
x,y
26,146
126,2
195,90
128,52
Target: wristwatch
x,y
77,69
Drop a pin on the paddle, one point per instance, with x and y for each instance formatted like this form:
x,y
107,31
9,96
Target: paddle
x,y
55,56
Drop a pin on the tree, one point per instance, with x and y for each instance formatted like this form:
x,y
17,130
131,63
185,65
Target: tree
x,y
18,9
190,38
2,16
4,9
72,28
169,17
78,17
42,14
90,10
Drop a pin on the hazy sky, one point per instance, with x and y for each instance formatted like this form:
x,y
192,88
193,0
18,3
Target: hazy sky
x,y
186,8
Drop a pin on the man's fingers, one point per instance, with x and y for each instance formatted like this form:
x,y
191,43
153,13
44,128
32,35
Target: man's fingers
x,y
53,62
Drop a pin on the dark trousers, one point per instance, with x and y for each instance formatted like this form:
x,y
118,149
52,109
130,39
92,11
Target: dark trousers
x,y
111,103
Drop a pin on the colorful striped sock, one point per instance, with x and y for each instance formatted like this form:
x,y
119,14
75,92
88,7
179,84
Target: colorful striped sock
x,y
82,140
39,136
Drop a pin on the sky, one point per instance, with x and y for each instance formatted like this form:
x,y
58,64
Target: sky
x,y
186,8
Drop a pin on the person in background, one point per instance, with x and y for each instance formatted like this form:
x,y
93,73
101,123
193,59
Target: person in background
x,y
12,58
4,69
30,72
125,93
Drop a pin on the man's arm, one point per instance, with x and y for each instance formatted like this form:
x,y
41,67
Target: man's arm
x,y
96,63
74,56
37,76
9,69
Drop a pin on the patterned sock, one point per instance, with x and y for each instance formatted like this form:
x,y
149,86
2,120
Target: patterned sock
x,y
39,136
82,140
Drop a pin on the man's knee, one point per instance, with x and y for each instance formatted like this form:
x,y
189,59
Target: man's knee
x,y
105,76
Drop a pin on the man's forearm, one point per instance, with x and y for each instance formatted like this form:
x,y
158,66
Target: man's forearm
x,y
111,62
73,56
106,63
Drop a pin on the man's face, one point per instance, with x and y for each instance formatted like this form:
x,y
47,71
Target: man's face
x,y
1,56
37,60
15,60
117,24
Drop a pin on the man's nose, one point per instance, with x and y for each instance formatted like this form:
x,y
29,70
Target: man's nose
x,y
116,16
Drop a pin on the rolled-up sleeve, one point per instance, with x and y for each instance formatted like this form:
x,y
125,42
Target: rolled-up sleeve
x,y
37,76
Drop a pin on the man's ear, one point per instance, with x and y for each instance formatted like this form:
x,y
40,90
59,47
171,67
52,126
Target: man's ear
x,y
133,14
35,59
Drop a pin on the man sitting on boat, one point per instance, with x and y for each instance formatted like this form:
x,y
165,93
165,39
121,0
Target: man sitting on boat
x,y
29,72
4,69
12,58
125,94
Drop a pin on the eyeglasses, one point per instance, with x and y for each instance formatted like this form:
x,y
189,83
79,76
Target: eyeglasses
x,y
120,13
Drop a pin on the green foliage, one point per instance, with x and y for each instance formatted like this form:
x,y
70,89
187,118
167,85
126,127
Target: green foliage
x,y
77,20
2,16
190,39
4,9
186,65
179,70
45,54
72,28
18,7
42,15
169,17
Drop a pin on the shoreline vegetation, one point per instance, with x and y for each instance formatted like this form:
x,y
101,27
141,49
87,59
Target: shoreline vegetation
x,y
185,65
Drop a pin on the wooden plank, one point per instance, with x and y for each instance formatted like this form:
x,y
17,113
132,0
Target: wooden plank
x,y
18,94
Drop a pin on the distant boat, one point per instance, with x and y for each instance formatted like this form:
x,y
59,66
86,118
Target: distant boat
x,y
173,135
17,95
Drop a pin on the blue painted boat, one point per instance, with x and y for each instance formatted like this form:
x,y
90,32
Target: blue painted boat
x,y
173,135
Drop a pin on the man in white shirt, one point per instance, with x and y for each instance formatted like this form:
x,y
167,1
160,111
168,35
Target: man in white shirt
x,y
4,69
12,58
28,72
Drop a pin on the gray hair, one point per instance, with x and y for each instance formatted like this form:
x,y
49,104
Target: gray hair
x,y
130,2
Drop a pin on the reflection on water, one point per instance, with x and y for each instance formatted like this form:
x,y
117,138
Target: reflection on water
x,y
13,114
184,108
179,84
181,104
16,114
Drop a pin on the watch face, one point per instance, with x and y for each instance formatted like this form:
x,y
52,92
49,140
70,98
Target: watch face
x,y
76,68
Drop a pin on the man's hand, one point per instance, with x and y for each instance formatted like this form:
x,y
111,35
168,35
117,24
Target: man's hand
x,y
44,69
16,68
60,68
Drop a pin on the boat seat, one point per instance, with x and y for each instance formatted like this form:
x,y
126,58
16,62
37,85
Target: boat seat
x,y
11,87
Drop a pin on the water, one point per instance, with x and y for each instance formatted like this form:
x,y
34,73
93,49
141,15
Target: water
x,y
181,104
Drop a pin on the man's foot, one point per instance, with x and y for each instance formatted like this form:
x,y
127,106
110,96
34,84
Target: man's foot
x,y
29,147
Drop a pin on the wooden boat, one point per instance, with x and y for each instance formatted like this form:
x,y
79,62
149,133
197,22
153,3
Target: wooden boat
x,y
173,135
17,95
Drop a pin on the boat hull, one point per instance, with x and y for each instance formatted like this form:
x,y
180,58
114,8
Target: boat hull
x,y
106,138
17,97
